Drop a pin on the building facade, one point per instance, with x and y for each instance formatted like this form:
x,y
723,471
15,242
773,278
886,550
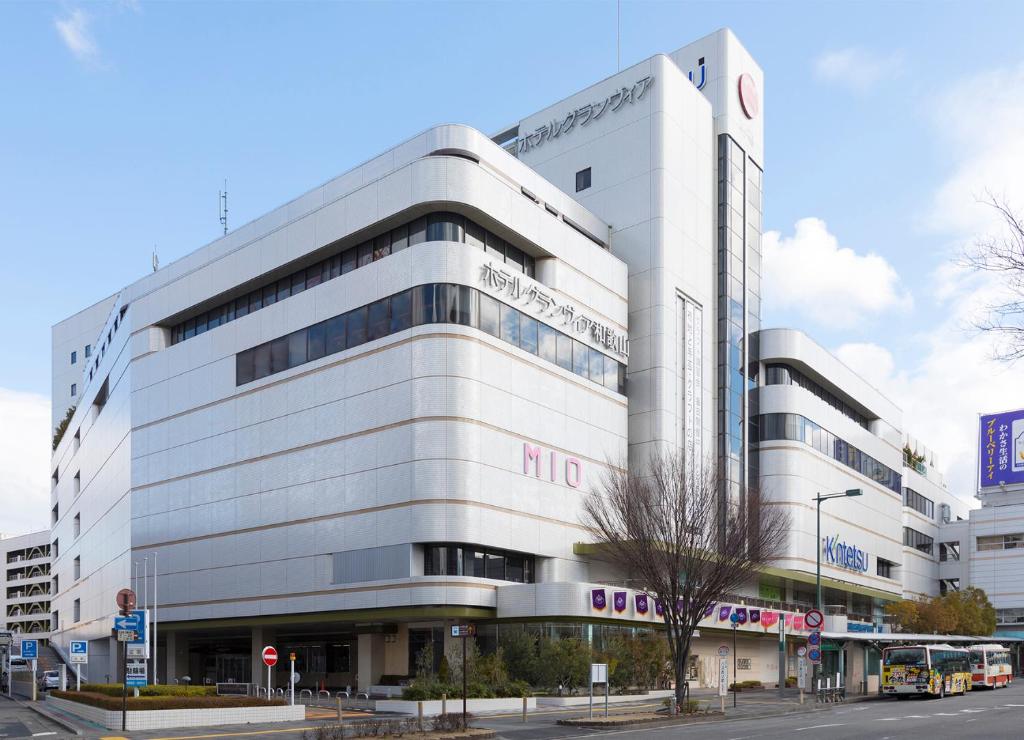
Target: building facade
x,y
378,409
27,585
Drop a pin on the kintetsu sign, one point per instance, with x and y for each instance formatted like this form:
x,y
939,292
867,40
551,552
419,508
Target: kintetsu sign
x,y
552,466
1001,448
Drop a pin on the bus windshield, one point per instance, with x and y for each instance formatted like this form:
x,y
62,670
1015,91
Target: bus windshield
x,y
977,656
905,656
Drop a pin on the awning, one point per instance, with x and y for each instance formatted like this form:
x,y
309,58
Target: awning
x,y
891,637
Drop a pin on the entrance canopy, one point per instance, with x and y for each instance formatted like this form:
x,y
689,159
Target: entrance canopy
x,y
892,637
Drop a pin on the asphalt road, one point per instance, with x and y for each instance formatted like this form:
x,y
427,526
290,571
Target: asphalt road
x,y
17,721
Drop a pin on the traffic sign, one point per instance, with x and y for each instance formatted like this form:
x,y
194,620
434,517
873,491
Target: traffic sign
x,y
126,635
723,651
723,677
814,655
125,600
79,651
814,619
801,651
463,630
136,675
814,638
734,618
30,649
269,655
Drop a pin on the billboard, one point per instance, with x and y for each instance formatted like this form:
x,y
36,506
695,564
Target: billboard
x,y
1001,449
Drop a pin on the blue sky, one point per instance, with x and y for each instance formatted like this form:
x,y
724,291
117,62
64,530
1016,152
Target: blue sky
x,y
883,120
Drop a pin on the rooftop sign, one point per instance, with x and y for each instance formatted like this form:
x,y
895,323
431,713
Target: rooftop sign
x,y
1001,449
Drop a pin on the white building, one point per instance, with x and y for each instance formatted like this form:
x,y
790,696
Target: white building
x,y
378,408
25,600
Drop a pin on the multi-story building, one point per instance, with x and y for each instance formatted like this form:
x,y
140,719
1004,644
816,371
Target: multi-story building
x,y
26,594
378,408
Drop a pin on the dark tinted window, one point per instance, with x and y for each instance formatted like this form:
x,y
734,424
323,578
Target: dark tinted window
x,y
296,348
334,329
418,231
381,246
279,355
261,361
364,254
583,179
399,239
378,324
475,235
355,326
401,311
244,367
348,260
317,336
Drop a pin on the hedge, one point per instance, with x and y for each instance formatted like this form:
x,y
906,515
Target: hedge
x,y
114,689
147,703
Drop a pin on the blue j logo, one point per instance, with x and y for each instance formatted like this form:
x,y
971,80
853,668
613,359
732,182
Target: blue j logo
x,y
703,74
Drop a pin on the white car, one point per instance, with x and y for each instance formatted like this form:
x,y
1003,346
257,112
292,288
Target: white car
x,y
49,680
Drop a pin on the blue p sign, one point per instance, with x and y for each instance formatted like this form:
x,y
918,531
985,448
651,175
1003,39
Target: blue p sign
x,y
30,649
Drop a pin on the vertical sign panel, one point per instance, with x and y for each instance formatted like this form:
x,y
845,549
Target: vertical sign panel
x,y
691,361
1001,449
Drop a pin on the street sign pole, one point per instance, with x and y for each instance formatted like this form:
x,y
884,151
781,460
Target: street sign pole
x,y
124,686
291,678
463,681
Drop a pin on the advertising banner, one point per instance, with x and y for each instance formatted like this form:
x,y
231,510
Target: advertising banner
x,y
1001,449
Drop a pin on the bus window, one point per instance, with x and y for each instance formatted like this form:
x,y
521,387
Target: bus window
x,y
905,656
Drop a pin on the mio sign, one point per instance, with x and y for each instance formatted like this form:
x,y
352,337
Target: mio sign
x,y
552,466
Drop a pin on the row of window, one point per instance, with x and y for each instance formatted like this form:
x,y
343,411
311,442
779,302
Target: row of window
x,y
88,354
918,540
800,429
777,374
449,227
884,567
1001,542
447,559
434,303
917,502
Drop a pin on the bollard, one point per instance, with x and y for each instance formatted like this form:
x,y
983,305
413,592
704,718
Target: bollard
x,y
419,712
672,706
340,713
444,703
524,710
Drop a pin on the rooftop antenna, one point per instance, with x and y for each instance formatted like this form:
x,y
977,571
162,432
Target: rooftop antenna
x,y
156,259
224,207
618,35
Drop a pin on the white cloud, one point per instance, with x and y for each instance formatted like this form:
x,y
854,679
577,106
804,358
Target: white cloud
x,y
831,285
856,68
24,461
73,29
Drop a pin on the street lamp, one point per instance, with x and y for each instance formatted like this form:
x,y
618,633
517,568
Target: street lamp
x,y
819,498
817,581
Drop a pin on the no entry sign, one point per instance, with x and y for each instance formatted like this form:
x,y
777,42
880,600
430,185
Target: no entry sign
x,y
269,656
814,619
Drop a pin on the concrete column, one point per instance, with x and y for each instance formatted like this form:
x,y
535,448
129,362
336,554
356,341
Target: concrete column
x,y
169,660
371,660
114,663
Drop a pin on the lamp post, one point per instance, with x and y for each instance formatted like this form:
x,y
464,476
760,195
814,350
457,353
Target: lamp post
x,y
817,580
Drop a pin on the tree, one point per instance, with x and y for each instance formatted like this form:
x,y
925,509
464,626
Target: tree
x,y
663,523
967,612
974,613
1002,256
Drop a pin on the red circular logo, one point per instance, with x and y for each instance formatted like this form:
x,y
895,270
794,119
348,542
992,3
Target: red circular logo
x,y
748,95
270,655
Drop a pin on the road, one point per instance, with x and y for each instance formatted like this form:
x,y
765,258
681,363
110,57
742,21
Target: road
x,y
17,721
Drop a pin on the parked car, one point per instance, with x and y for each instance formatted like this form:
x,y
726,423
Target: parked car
x,y
49,680
19,664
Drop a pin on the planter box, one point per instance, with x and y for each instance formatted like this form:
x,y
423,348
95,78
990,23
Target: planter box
x,y
433,708
157,719
582,701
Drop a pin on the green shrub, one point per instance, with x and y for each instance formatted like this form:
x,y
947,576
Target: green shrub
x,y
114,689
451,722
148,703
739,686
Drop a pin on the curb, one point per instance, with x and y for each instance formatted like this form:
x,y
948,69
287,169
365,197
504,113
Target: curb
x,y
67,725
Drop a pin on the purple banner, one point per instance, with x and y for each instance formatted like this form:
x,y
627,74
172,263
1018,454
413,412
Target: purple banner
x,y
741,615
597,598
755,616
679,606
710,610
659,608
1001,449
641,603
723,613
619,601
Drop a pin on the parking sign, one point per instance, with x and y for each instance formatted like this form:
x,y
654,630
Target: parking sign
x,y
30,649
79,651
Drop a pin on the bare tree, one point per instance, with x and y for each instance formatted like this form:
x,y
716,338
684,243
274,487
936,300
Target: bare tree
x,y
663,524
1002,256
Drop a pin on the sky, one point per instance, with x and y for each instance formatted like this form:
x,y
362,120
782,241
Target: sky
x,y
884,123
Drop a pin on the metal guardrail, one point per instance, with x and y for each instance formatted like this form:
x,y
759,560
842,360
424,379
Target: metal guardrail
x,y
304,693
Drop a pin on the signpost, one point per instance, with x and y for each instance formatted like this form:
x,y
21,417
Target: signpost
x,y
136,673
291,677
269,660
723,677
782,657
79,655
801,673
30,650
463,631
735,619
814,620
125,601
598,674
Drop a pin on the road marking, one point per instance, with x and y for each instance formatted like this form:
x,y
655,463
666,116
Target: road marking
x,y
974,711
973,720
40,734
888,719
818,727
229,734
945,714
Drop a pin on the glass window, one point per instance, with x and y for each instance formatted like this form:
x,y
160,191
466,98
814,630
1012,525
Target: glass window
x,y
495,246
473,563
355,327
297,348
298,282
255,301
509,324
596,366
244,372
423,305
465,307
261,361
515,569
284,288
475,235
378,323
74,357
495,566
401,311
489,315
200,329
335,269
611,373
334,330
74,389
364,254
446,227
241,307
315,275
564,357
399,238
88,351
279,354
514,258
580,359
317,337
270,294
528,333
418,231
547,341
583,179
381,246
349,260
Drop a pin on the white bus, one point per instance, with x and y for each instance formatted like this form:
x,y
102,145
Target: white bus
x,y
991,666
